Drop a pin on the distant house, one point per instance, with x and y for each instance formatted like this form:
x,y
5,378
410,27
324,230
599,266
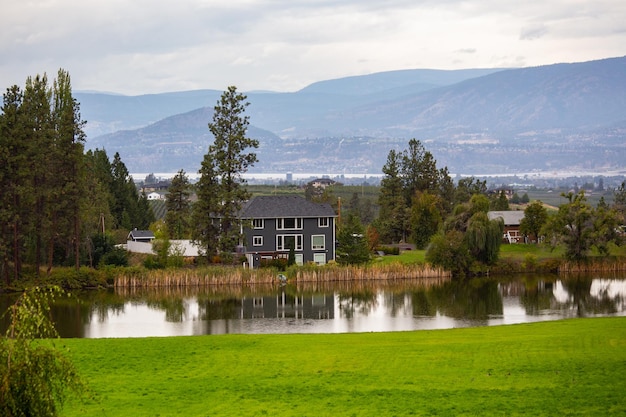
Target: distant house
x,y
322,183
157,186
154,196
145,236
140,241
277,223
512,220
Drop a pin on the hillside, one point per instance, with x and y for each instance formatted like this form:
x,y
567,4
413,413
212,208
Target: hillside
x,y
550,118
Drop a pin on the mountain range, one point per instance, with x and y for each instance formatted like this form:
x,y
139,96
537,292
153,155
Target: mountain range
x,y
561,117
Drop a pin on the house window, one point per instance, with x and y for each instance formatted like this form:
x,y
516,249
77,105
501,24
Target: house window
x,y
318,242
319,258
299,259
283,242
257,240
289,223
323,222
257,224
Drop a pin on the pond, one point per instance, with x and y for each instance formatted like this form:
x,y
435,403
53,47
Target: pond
x,y
359,307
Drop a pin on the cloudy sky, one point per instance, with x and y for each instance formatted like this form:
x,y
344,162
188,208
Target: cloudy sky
x,y
151,46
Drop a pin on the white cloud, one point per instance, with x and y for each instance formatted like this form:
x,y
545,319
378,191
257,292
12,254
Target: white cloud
x,y
144,46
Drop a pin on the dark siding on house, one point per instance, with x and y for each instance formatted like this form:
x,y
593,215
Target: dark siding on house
x,y
270,209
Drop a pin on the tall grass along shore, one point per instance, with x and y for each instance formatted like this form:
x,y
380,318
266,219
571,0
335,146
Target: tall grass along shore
x,y
137,278
570,367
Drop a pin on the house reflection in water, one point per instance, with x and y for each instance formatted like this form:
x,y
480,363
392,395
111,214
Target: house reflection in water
x,y
314,306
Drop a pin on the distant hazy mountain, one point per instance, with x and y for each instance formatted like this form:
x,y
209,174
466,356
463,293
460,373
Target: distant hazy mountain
x,y
108,112
563,116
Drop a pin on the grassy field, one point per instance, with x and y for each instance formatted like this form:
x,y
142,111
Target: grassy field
x,y
514,252
571,367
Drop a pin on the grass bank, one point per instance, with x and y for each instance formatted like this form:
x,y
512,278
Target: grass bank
x,y
571,367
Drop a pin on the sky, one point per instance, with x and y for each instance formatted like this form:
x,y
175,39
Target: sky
x,y
137,47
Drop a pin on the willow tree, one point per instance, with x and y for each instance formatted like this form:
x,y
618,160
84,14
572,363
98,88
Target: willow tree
x,y
468,236
227,159
35,376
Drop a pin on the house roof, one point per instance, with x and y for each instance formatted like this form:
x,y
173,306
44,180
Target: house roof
x,y
141,234
510,218
263,207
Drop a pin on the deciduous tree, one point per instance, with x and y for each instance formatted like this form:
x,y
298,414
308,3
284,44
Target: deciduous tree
x,y
535,217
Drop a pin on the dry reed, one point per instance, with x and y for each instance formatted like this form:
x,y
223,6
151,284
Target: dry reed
x,y
595,265
239,276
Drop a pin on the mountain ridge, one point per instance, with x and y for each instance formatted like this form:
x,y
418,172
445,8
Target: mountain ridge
x,y
562,115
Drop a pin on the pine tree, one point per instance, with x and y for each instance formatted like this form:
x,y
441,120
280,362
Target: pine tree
x,y
39,137
393,210
13,180
204,229
352,244
230,158
67,168
178,206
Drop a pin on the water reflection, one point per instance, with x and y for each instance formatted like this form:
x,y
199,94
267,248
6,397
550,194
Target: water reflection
x,y
345,307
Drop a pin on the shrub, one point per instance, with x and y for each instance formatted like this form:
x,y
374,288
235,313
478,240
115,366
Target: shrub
x,y
389,250
117,257
70,278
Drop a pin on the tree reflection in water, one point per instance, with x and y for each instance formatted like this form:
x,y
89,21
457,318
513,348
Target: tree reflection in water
x,y
475,302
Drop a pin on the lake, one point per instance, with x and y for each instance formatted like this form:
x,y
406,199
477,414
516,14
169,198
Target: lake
x,y
360,307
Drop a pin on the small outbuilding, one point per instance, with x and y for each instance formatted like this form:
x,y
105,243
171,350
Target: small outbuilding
x,y
140,236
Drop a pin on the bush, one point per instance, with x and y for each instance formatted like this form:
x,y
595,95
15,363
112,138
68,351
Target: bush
x,y
70,278
116,257
278,263
389,250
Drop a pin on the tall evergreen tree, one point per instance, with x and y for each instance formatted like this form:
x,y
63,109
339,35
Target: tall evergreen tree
x,y
204,228
178,206
37,122
231,159
393,210
467,187
419,171
67,169
129,209
14,180
501,202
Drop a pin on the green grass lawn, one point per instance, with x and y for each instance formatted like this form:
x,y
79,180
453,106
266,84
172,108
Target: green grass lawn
x,y
516,252
571,367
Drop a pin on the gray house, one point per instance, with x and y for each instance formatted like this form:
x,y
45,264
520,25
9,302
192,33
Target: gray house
x,y
276,223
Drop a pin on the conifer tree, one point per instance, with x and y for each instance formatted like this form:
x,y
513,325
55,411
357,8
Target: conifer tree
x,y
14,178
228,158
393,210
178,206
67,169
204,229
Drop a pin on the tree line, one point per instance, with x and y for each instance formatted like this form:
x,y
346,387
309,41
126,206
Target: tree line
x,y
419,203
61,205
57,201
